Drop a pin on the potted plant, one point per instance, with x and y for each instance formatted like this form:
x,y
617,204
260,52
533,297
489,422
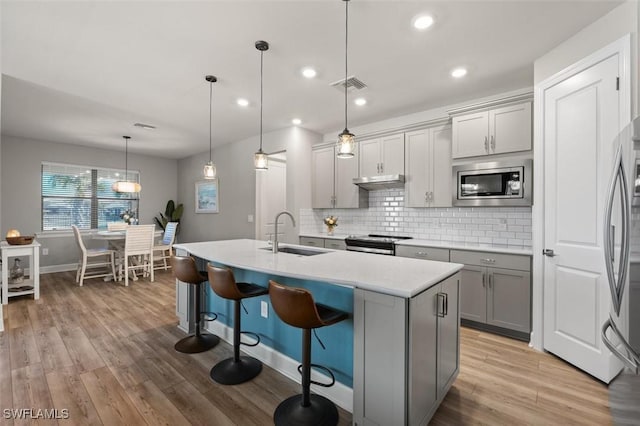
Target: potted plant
x,y
172,213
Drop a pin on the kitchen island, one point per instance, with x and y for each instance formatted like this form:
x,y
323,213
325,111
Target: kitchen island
x,y
403,338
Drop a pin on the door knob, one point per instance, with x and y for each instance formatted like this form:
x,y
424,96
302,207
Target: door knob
x,y
548,252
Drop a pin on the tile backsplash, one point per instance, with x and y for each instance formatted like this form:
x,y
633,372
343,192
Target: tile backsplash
x,y
388,215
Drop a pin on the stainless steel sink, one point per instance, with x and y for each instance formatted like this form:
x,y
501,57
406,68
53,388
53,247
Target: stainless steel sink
x,y
298,251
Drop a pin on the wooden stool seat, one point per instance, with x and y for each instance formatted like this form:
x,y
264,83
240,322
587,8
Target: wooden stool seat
x,y
185,270
237,369
296,307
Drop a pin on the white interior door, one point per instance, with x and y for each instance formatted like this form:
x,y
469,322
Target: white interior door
x,y
271,190
582,116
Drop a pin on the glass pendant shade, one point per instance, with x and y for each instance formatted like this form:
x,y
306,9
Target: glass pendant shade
x,y
260,160
346,145
126,186
209,170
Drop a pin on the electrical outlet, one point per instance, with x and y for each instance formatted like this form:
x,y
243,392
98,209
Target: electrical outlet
x,y
45,251
264,309
250,218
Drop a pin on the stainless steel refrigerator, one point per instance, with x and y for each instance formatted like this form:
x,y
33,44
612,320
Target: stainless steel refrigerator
x,y
621,332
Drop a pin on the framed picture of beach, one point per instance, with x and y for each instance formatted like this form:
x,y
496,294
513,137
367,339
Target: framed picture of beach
x,y
207,196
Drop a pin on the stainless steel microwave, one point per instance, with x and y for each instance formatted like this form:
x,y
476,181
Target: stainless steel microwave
x,y
500,183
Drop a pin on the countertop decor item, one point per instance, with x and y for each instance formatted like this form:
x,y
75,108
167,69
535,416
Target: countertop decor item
x,y
125,185
16,274
20,240
210,171
346,145
331,222
260,159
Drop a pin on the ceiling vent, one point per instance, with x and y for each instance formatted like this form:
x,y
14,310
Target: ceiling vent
x,y
353,84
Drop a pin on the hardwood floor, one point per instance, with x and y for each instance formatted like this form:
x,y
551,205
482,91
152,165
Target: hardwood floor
x,y
105,353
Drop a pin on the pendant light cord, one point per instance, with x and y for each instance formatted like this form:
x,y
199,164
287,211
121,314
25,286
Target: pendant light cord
x,y
126,158
346,56
210,114
261,68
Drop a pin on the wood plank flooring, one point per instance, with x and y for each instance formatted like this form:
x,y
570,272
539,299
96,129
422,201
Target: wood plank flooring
x,y
105,353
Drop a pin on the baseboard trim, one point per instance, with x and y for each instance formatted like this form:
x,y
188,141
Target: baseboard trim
x,y
340,394
58,268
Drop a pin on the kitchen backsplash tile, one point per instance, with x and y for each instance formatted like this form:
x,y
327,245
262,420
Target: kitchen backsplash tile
x,y
388,215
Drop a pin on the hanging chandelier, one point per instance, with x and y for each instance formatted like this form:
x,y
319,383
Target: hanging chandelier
x,y
125,185
210,171
260,159
346,145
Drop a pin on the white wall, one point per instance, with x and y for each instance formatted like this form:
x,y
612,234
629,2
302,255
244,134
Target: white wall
x,y
237,184
620,21
20,169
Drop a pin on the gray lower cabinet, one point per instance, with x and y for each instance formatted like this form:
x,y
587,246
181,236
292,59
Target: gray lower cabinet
x,y
496,296
330,243
420,252
401,378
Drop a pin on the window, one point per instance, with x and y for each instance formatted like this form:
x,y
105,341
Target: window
x,y
82,196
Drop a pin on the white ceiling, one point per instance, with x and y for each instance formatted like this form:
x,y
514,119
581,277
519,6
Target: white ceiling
x,y
84,72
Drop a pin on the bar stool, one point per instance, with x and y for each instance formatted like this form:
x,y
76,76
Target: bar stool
x,y
238,369
184,269
295,306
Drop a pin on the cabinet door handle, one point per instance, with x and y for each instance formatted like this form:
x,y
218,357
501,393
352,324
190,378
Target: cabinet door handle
x,y
486,144
431,196
493,143
378,167
490,279
488,260
484,279
446,304
441,302
422,253
381,167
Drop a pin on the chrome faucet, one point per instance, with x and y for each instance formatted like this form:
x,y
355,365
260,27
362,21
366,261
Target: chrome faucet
x,y
275,237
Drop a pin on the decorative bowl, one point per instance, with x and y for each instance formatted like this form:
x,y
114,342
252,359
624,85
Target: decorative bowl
x,y
21,240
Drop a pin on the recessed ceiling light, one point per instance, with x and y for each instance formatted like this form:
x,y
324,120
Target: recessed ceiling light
x,y
309,72
422,22
360,101
296,121
242,102
459,72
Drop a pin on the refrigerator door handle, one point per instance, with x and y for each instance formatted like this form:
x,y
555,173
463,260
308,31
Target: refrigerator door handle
x,y
632,360
617,284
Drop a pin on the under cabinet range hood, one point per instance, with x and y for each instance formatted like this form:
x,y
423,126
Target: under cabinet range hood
x,y
380,182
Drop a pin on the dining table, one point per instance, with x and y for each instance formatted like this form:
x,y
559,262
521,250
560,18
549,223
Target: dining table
x,y
116,240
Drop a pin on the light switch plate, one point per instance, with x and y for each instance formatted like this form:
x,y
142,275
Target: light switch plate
x,y
264,309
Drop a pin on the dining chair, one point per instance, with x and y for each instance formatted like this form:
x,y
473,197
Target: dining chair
x,y
104,258
165,247
138,250
117,226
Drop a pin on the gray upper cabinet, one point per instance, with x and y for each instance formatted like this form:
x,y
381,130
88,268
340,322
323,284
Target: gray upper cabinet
x,y
498,130
382,156
428,167
332,181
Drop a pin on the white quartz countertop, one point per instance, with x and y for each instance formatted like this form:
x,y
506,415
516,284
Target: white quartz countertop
x,y
493,248
395,276
335,236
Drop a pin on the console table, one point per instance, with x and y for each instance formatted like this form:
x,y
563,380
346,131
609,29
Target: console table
x,y
8,251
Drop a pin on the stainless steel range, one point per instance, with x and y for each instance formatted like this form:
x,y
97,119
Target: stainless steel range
x,y
378,244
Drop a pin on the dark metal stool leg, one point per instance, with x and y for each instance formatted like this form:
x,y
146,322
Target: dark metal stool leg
x,y
238,369
306,409
198,342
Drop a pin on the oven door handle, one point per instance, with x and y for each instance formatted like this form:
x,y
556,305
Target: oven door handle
x,y
370,250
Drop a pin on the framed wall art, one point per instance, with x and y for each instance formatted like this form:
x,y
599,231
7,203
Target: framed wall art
x,y
207,196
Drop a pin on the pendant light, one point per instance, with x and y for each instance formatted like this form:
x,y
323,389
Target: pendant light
x,y
346,145
210,168
260,159
125,185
